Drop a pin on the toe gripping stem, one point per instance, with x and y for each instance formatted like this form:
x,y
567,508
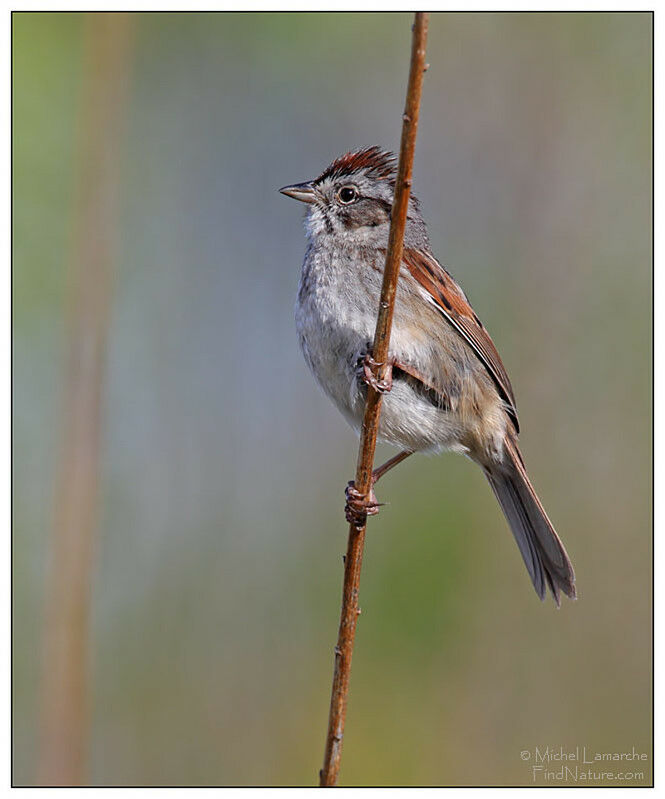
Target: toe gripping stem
x,y
369,373
359,507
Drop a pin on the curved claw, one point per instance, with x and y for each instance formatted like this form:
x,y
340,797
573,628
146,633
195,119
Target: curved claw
x,y
358,508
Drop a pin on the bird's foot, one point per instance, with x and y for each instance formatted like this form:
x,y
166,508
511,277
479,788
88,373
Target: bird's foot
x,y
358,507
368,368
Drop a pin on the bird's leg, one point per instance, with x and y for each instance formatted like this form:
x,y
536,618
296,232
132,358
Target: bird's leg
x,y
377,474
358,508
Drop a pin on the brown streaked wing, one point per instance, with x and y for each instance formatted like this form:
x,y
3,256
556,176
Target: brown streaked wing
x,y
455,308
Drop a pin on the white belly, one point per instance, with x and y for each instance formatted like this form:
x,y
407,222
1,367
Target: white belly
x,y
332,343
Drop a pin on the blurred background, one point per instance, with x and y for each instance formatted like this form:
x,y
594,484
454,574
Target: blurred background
x,y
156,369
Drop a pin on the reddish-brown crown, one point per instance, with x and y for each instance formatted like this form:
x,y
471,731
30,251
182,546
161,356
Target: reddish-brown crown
x,y
373,161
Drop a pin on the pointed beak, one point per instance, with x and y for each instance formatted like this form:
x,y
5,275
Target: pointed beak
x,y
300,191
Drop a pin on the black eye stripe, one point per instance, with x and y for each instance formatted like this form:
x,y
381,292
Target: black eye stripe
x,y
354,196
388,207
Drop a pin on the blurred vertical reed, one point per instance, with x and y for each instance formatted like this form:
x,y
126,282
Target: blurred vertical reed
x,y
65,682
363,482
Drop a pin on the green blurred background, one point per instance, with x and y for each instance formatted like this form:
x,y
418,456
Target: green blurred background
x,y
217,571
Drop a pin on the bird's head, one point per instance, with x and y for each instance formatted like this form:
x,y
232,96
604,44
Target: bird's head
x,y
352,198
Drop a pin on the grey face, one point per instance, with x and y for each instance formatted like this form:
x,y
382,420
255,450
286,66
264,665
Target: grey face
x,y
345,204
351,203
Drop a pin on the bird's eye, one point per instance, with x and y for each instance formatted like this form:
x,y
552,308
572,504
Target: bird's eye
x,y
348,194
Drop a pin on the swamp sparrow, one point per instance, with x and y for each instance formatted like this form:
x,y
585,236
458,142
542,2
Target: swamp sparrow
x,y
446,388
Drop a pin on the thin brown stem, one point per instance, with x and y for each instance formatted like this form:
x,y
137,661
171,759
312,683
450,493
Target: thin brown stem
x,y
363,482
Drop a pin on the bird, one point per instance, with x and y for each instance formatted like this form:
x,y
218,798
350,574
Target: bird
x,y
445,387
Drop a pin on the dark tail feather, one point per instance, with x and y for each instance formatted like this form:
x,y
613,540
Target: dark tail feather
x,y
544,555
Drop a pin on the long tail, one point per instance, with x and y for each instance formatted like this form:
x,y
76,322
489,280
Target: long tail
x,y
544,555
